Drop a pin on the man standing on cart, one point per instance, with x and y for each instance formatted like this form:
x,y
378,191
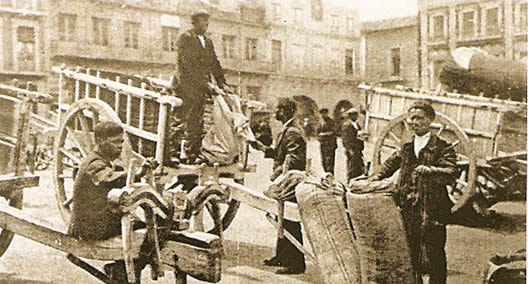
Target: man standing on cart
x,y
197,65
427,164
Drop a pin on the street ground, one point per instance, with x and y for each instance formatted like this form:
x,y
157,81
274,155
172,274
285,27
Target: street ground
x,y
247,242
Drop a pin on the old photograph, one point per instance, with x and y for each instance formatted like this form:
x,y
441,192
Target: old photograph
x,y
263,141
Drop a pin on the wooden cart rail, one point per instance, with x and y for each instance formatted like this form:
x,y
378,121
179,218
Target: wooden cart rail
x,y
469,112
121,99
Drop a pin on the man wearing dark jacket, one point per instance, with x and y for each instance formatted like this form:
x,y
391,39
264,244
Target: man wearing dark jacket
x,y
328,141
353,144
92,216
289,153
427,165
197,65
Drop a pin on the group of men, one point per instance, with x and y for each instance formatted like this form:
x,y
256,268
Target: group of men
x,y
427,165
350,132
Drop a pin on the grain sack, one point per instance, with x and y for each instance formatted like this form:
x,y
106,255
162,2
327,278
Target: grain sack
x,y
328,231
381,242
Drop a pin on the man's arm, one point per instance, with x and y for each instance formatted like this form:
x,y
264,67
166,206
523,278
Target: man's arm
x,y
389,167
101,173
184,54
295,150
217,71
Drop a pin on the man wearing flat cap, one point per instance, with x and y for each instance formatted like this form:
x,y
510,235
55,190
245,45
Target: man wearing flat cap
x,y
197,65
427,165
353,144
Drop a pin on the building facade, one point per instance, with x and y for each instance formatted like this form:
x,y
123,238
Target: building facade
x,y
389,52
23,54
268,48
496,26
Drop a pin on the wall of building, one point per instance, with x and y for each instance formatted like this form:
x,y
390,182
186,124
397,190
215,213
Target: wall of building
x,y
442,30
378,60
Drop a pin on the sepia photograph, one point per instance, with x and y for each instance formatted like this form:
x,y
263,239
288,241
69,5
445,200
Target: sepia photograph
x,y
263,141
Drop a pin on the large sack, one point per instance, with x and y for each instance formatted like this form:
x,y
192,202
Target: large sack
x,y
367,245
224,139
381,240
328,230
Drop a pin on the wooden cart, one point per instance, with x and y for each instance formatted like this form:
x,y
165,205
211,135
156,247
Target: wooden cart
x,y
142,106
489,136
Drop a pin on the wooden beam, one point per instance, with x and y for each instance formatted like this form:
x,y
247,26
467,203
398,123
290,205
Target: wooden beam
x,y
260,201
113,85
16,182
21,223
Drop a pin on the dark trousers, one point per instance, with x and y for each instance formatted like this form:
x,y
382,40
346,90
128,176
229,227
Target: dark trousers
x,y
192,114
355,164
427,246
328,157
286,252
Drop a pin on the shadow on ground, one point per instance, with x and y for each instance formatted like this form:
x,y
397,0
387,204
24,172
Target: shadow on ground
x,y
11,278
252,255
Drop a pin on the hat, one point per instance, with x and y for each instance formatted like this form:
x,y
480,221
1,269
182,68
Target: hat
x,y
198,13
351,110
323,111
425,106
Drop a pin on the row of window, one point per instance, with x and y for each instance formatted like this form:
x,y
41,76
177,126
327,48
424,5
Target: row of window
x,y
251,52
317,15
100,32
471,23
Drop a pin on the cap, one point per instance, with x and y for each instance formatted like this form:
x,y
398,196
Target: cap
x,y
198,13
351,110
425,106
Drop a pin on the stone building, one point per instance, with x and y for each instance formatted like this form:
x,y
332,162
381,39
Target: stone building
x,y
389,52
268,48
23,54
496,26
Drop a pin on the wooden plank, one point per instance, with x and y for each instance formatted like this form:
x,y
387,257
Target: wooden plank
x,y
87,86
197,254
97,87
114,86
448,98
15,182
77,85
23,224
32,95
260,201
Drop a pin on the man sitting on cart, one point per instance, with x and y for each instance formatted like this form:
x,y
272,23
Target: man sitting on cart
x,y
92,217
427,164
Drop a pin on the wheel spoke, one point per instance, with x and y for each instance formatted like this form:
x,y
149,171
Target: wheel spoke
x,y
77,143
442,128
71,156
395,138
86,130
68,202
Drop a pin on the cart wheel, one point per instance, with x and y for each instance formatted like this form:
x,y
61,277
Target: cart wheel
x,y
75,140
15,200
397,132
216,216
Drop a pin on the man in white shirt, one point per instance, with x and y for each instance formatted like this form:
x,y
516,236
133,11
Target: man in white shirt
x,y
427,165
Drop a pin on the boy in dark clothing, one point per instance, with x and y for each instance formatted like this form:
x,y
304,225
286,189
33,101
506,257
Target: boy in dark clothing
x,y
92,217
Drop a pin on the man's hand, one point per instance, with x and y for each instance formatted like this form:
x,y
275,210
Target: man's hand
x,y
148,163
421,169
258,145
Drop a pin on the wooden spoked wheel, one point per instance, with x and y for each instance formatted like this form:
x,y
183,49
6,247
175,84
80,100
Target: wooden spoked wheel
x,y
217,215
397,132
75,141
13,199
224,211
